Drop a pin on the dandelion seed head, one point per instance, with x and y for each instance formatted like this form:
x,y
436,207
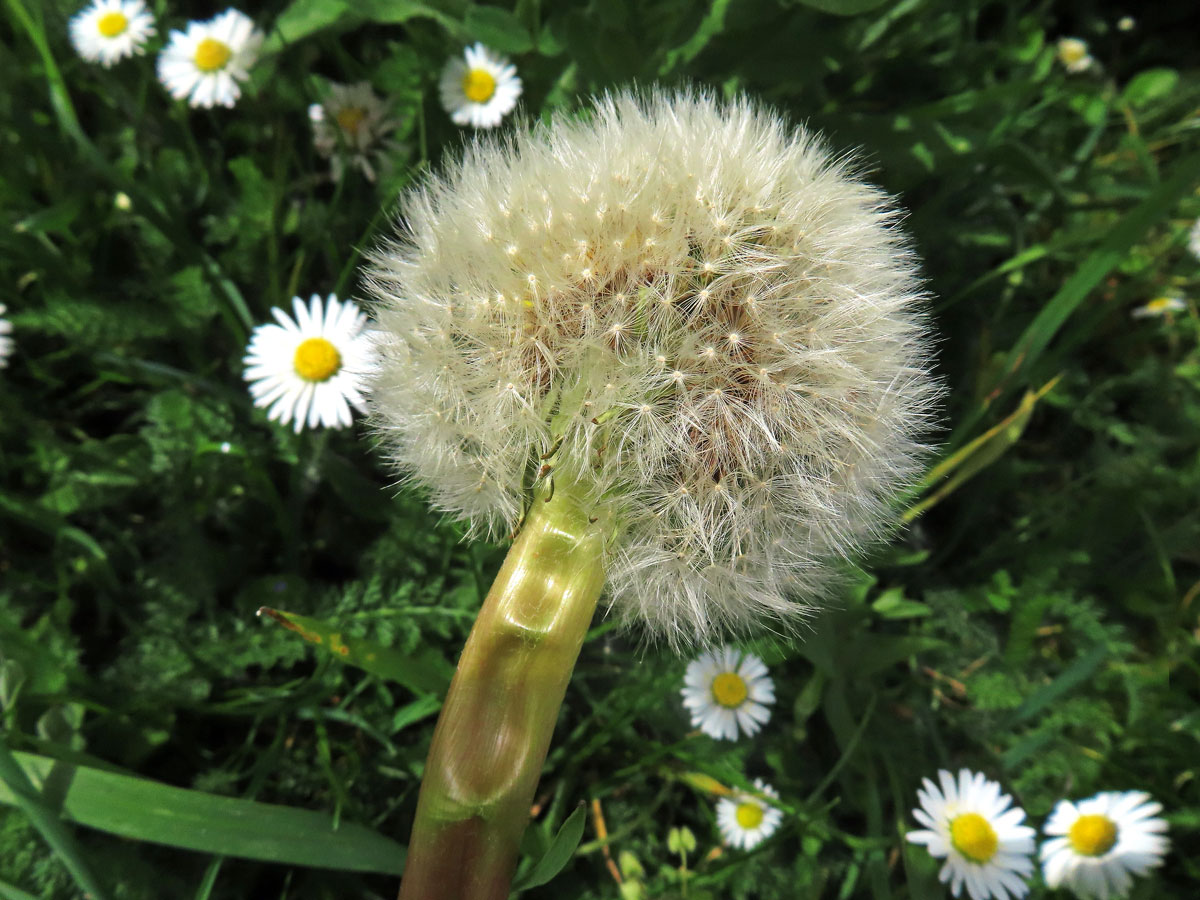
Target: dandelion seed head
x,y
740,404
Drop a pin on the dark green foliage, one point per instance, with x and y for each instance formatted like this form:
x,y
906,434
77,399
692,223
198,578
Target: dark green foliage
x,y
1038,624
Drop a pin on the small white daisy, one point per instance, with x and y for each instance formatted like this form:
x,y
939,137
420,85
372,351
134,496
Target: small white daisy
x,y
6,343
1126,23
725,689
205,63
1193,241
969,822
1097,845
310,370
110,30
746,820
480,88
1159,307
352,123
1073,54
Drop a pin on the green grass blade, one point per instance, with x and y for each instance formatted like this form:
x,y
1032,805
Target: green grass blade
x,y
425,672
559,853
1070,678
17,789
193,820
11,892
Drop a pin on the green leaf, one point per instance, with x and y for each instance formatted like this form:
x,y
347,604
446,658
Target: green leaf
x,y
1070,678
711,25
557,855
499,29
892,604
1146,87
844,7
306,17
426,672
193,820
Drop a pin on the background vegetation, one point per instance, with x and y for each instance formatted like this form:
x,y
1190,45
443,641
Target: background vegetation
x,y
1038,621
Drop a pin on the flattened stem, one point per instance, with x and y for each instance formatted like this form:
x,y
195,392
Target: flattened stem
x,y
495,727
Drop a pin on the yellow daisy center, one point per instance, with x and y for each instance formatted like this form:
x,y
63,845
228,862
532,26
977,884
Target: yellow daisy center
x,y
974,837
317,360
729,689
479,85
1092,835
1162,304
749,815
212,55
111,24
350,118
1072,51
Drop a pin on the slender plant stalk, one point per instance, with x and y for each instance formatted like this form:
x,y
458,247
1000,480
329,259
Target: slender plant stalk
x,y
495,727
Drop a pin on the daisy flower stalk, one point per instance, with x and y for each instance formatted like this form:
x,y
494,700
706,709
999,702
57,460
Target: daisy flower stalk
x,y
727,691
351,125
479,88
310,369
1096,846
110,30
978,831
746,820
682,341
205,63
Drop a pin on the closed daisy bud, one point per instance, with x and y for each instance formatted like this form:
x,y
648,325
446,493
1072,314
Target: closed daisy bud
x,y
695,317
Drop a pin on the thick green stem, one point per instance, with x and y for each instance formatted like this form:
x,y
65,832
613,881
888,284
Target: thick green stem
x,y
495,727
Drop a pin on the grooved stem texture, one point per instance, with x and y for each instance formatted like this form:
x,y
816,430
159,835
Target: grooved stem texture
x,y
495,727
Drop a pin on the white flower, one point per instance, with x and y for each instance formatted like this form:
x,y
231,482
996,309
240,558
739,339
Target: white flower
x,y
703,323
1073,54
6,343
1099,843
110,30
1126,23
746,820
205,63
1193,240
352,123
1159,307
310,369
983,841
725,689
480,88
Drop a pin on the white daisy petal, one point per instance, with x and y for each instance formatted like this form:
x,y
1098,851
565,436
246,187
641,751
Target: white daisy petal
x,y
722,696
479,89
969,822
1102,842
205,63
110,30
308,370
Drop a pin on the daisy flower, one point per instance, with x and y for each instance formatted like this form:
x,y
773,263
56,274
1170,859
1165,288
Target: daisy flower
x,y
309,369
6,343
1073,54
110,30
352,123
746,820
205,63
1097,845
1160,307
726,689
970,823
479,89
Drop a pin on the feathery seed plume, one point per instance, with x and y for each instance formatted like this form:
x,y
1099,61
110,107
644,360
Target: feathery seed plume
x,y
690,314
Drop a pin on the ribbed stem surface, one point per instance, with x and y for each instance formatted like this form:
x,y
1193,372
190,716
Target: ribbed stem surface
x,y
495,727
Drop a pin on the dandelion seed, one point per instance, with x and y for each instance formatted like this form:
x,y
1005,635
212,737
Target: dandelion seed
x,y
352,123
975,828
310,369
727,691
746,820
1160,307
834,431
480,88
110,30
205,63
1073,54
6,343
1098,845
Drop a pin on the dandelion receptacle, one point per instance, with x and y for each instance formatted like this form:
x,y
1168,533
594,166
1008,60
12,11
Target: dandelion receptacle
x,y
678,350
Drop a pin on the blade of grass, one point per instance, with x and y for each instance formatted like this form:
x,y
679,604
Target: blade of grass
x,y
17,789
193,820
11,892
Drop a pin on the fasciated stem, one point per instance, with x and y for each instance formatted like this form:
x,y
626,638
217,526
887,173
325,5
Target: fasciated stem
x,y
495,727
